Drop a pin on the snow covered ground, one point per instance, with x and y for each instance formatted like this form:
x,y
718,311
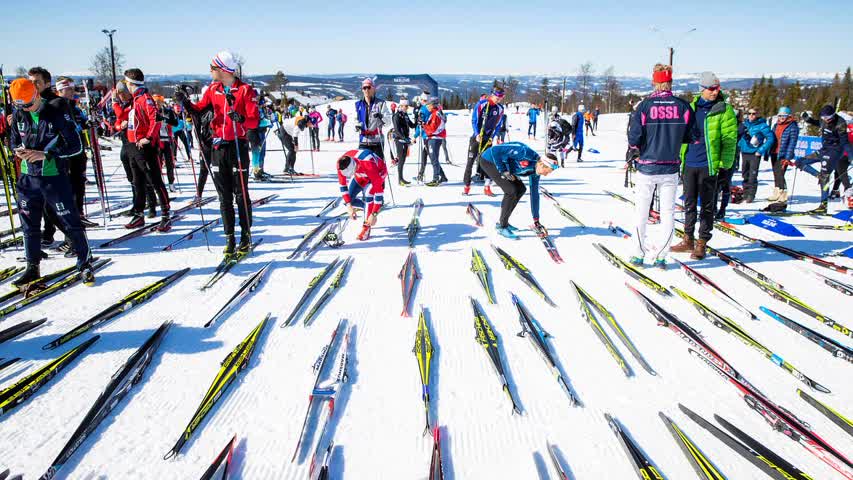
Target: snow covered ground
x,y
378,425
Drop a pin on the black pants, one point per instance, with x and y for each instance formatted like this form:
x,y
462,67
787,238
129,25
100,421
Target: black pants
x,y
289,150
227,179
841,176
202,170
751,162
180,135
513,191
475,148
724,187
402,152
315,138
167,158
778,172
146,170
37,194
77,178
698,184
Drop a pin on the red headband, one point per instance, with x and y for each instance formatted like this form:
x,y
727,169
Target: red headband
x,y
662,76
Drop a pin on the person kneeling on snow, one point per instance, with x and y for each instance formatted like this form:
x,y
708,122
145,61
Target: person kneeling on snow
x,y
365,173
506,162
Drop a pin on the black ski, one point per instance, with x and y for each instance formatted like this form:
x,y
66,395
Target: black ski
x,y
836,417
222,463
227,263
642,465
333,287
510,263
312,286
248,286
189,235
307,238
19,329
830,345
122,381
486,337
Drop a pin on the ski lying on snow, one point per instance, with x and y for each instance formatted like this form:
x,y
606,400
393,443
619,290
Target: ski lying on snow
x,y
481,270
5,363
415,223
510,263
330,394
307,238
120,384
436,469
408,276
830,345
312,287
475,214
333,287
333,203
248,286
548,242
38,284
844,288
597,328
189,235
631,270
423,352
143,230
10,272
561,473
569,215
19,329
218,470
704,468
837,418
642,465
486,337
709,285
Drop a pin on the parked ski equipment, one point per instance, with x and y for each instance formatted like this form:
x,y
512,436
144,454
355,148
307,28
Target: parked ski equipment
x,y
481,270
531,329
307,238
423,352
154,227
130,301
227,263
415,223
38,284
331,290
830,345
597,328
486,337
218,470
10,272
8,362
14,395
333,203
436,469
729,326
329,395
561,473
631,270
704,468
408,276
709,285
231,366
120,384
548,242
642,465
312,287
844,288
522,273
189,235
569,215
751,450
807,258
248,286
475,214
20,329
833,415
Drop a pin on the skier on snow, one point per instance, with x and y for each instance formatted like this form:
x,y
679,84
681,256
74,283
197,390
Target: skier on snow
x,y
235,111
504,164
362,171
371,115
402,124
833,134
577,131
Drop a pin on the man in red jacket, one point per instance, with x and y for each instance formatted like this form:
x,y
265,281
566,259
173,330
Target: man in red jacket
x,y
235,119
143,130
362,171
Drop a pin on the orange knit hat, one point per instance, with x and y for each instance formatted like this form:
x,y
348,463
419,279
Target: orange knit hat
x,y
23,91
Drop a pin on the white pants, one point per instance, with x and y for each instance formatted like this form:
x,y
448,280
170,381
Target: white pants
x,y
667,186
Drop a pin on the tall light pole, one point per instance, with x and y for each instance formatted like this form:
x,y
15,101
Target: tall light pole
x,y
672,46
110,33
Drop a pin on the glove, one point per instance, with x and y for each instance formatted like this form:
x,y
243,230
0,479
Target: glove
x,y
508,176
633,153
180,96
377,115
754,141
236,116
229,97
799,163
358,127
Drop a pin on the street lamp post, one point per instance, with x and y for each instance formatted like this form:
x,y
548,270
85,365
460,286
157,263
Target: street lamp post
x,y
110,33
673,45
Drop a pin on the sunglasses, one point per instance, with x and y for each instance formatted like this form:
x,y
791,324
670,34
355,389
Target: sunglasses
x,y
712,88
25,105
753,113
367,88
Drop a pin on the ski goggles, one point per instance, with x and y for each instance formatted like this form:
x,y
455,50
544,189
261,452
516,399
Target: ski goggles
x,y
712,88
22,105
498,93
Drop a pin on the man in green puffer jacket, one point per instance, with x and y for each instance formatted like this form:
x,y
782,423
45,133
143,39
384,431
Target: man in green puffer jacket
x,y
700,162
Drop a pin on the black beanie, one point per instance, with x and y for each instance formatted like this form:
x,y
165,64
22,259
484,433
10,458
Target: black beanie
x,y
827,111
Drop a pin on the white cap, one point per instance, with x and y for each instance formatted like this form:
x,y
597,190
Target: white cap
x,y
225,61
404,102
554,109
581,108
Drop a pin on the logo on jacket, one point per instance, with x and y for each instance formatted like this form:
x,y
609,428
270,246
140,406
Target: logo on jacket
x,y
524,163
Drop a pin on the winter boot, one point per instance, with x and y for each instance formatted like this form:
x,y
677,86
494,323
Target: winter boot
x,y
30,275
774,197
686,245
365,233
436,182
245,241
488,191
229,245
135,222
699,251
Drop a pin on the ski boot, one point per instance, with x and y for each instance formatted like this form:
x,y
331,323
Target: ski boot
x,y
229,245
64,247
834,195
660,263
47,241
636,261
152,212
165,222
257,174
87,274
173,188
135,222
436,182
365,233
820,210
245,241
404,183
487,190
506,232
31,274
699,250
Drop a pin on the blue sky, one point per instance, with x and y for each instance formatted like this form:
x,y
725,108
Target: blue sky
x,y
435,37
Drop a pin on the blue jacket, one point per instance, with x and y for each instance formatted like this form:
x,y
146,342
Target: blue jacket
x,y
577,124
519,160
532,114
55,134
788,141
760,130
493,122
658,127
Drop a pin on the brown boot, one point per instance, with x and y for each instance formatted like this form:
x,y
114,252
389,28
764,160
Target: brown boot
x,y
699,251
686,245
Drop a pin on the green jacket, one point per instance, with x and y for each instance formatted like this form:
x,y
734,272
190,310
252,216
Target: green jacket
x,y
720,135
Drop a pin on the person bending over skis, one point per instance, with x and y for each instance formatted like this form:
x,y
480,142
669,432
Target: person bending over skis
x,y
365,173
506,162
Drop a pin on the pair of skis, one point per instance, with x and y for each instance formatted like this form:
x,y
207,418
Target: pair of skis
x,y
204,228
548,242
20,329
510,263
128,302
248,286
415,223
313,285
569,215
731,327
587,304
230,367
481,270
423,351
120,384
146,229
475,214
837,349
328,393
631,270
307,238
408,276
709,285
531,329
487,339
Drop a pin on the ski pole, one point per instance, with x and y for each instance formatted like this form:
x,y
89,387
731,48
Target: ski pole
x,y
4,164
388,176
243,183
793,186
195,179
